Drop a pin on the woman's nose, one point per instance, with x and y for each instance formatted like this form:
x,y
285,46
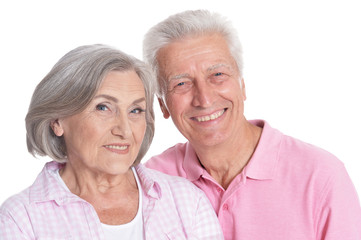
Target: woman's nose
x,y
121,127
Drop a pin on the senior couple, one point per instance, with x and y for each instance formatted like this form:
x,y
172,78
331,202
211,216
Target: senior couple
x,y
93,115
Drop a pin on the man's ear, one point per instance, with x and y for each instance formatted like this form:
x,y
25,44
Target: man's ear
x,y
243,90
163,108
57,128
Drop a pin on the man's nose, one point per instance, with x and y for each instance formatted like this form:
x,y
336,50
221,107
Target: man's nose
x,y
203,94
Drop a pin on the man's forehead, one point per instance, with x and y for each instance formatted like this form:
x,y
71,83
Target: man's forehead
x,y
188,73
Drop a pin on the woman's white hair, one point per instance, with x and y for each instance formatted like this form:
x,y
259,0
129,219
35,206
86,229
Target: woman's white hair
x,y
68,89
182,25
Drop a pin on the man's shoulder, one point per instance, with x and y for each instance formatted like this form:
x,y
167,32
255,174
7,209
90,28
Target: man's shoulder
x,y
309,159
175,152
170,161
297,148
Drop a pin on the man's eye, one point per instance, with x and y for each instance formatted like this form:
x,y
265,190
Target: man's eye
x,y
101,107
181,86
219,77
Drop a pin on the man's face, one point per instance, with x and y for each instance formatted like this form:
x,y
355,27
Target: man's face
x,y
203,92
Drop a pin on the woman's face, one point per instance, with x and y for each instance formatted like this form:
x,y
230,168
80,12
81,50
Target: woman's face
x,y
106,137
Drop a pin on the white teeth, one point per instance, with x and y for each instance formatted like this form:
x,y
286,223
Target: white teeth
x,y
117,147
210,117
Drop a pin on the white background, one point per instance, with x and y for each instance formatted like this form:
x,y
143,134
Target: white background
x,y
302,67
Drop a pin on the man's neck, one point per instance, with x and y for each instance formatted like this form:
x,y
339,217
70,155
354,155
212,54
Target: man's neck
x,y
225,161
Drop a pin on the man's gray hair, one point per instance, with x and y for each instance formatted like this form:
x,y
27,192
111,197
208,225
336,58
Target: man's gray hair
x,y
68,89
184,24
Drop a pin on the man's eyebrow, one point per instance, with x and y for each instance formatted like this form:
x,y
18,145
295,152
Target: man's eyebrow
x,y
211,68
179,76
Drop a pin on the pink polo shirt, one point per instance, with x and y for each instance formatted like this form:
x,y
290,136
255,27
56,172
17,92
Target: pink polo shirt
x,y
290,190
172,208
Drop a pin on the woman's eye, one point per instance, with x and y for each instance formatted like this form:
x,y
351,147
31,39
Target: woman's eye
x,y
218,74
101,107
137,110
181,84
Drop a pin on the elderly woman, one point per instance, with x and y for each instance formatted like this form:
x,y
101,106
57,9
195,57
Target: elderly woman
x,y
93,115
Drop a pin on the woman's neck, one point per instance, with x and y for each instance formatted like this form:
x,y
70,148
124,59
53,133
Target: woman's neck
x,y
114,198
82,181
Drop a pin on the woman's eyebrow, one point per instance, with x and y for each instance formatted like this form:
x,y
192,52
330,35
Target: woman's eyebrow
x,y
139,100
111,98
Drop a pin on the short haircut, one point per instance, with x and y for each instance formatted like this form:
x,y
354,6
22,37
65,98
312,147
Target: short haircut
x,y
185,24
68,89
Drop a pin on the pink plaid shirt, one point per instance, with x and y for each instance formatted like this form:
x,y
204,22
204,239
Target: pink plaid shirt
x,y
172,209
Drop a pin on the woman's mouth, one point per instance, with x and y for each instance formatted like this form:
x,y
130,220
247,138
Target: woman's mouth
x,y
117,147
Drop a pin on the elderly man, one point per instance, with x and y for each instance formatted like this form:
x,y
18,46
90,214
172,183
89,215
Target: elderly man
x,y
261,183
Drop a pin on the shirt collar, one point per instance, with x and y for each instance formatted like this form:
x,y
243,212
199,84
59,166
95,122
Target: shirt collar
x,y
262,165
191,164
148,182
47,188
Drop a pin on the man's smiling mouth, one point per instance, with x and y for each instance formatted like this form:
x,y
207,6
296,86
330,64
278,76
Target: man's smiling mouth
x,y
210,117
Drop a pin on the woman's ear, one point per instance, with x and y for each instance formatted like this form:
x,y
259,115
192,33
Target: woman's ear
x,y
57,128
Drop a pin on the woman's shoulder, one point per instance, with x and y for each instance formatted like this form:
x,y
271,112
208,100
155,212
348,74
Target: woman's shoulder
x,y
22,200
16,204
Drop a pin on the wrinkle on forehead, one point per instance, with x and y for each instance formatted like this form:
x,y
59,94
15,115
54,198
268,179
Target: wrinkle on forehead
x,y
193,51
208,70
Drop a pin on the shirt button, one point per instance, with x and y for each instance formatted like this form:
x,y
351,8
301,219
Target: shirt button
x,y
219,190
225,207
